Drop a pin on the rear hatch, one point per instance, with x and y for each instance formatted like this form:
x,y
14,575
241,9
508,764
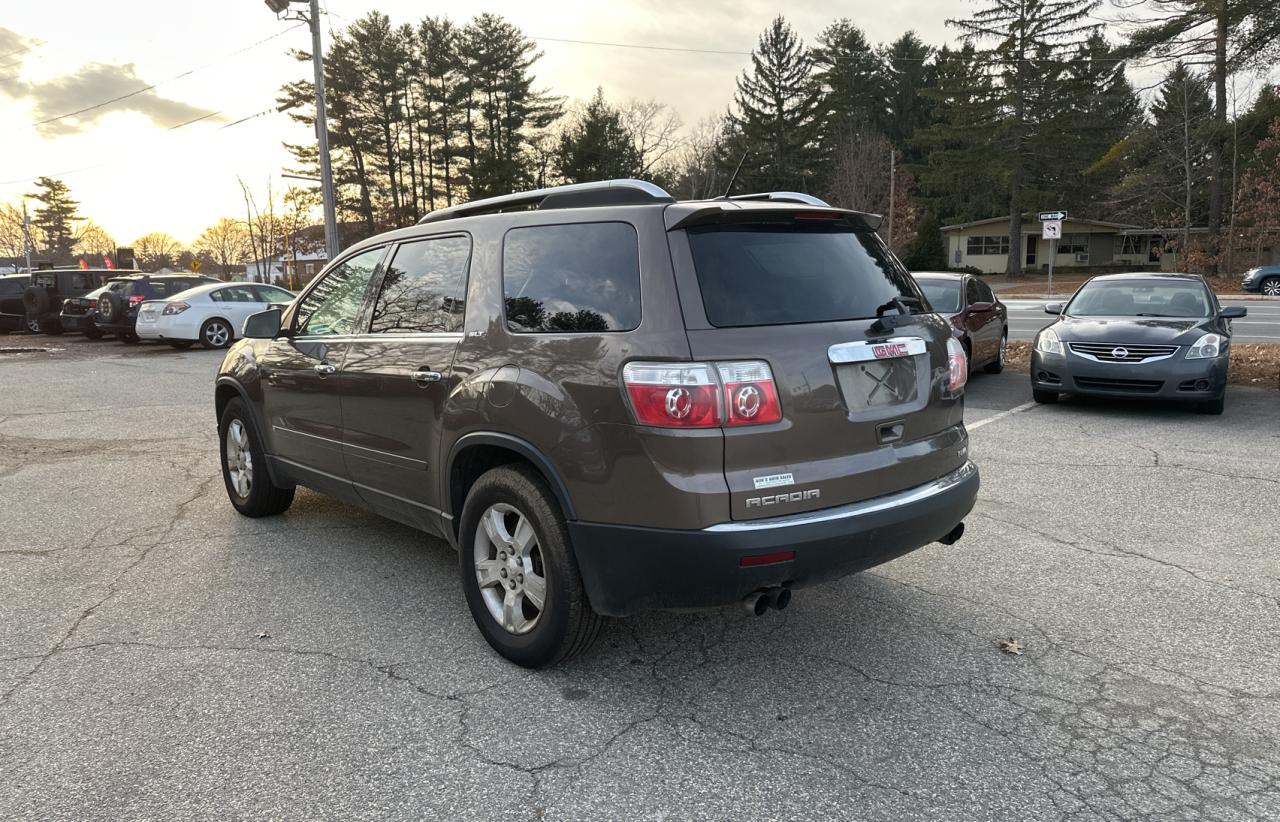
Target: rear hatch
x,y
860,366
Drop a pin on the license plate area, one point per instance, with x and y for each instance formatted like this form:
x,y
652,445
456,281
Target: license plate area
x,y
882,374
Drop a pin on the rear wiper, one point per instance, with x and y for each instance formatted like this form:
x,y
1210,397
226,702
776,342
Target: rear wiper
x,y
903,304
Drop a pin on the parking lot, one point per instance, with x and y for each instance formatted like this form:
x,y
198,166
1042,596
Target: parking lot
x,y
163,658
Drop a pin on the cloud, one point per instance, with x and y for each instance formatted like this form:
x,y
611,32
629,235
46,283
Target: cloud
x,y
75,102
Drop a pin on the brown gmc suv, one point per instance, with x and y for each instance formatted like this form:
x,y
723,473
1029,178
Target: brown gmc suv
x,y
610,401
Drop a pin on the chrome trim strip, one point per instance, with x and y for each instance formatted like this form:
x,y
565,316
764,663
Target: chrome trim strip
x,y
848,352
854,509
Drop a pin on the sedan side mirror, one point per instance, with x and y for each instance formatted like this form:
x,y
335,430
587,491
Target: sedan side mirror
x,y
1233,312
265,325
1053,308
981,306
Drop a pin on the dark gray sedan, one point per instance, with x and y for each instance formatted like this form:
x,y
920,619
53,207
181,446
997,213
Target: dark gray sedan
x,y
1161,336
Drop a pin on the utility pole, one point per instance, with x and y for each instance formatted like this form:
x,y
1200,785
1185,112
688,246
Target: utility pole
x,y
26,233
281,8
892,174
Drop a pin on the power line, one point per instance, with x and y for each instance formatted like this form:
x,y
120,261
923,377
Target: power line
x,y
179,76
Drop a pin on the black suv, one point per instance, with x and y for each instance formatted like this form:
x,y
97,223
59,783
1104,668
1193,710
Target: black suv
x,y
13,314
610,401
50,287
118,307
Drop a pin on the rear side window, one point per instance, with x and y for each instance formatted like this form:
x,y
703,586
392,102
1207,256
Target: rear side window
x,y
785,274
425,288
233,294
944,295
583,277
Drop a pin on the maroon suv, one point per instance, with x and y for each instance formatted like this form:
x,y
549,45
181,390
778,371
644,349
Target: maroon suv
x,y
609,401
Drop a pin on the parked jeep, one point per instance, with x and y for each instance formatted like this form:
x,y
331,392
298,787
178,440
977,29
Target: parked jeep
x,y
81,313
610,401
50,287
13,314
118,308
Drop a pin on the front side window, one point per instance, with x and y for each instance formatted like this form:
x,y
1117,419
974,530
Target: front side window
x,y
271,294
984,291
801,273
233,294
583,277
425,288
334,304
972,293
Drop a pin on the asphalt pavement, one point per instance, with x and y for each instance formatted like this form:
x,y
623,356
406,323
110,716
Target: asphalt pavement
x,y
1262,325
162,658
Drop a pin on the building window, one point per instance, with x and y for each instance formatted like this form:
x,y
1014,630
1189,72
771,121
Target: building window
x,y
1132,246
311,269
1074,244
988,245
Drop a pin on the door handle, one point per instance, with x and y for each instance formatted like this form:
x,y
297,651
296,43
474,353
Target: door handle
x,y
425,376
324,369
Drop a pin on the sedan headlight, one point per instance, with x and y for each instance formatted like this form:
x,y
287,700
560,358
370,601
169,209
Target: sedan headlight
x,y
1047,342
1210,345
175,308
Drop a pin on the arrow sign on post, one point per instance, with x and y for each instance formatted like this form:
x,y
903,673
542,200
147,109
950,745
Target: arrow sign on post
x,y
1052,224
1052,215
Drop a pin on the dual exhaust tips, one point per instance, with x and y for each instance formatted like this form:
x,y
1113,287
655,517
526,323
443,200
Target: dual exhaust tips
x,y
757,602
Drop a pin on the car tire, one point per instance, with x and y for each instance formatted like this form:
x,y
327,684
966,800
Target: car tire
x,y
32,325
216,333
36,300
181,345
1044,397
128,337
92,331
1270,286
997,365
526,539
51,327
253,494
1214,406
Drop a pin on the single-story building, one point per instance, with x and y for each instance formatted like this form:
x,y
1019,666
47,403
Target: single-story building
x,y
296,268
1085,244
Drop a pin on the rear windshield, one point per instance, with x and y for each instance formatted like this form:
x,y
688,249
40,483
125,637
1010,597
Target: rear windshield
x,y
944,295
779,275
1140,298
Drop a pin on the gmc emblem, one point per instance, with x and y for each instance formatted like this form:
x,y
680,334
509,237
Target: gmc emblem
x,y
779,499
889,350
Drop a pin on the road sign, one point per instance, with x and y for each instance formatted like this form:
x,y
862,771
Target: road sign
x,y
1052,230
195,266
1045,216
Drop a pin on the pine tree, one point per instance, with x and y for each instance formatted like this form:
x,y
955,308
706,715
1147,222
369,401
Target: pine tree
x,y
909,74
1026,38
775,121
55,219
441,97
852,78
597,146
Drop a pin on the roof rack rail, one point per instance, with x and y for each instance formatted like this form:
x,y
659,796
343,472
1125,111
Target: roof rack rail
x,y
576,195
784,197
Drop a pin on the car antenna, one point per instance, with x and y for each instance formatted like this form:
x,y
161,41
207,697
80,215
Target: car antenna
x,y
734,178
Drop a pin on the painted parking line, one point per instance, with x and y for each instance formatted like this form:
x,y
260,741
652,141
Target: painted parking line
x,y
1017,409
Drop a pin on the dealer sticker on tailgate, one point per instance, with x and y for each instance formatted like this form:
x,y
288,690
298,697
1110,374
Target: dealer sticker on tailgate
x,y
773,481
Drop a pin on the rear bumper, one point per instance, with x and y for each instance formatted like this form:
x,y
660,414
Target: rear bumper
x,y
1177,377
74,322
627,569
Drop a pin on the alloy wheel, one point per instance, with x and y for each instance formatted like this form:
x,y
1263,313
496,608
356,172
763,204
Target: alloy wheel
x,y
509,568
239,459
217,335
1271,287
33,325
1004,348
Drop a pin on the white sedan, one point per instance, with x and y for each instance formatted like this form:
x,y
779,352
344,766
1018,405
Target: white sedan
x,y
211,315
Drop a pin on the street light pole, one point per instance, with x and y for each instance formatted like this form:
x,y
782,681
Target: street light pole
x,y
322,134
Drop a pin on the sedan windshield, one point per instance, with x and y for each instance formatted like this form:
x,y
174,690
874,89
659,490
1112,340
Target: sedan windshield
x,y
1140,298
943,295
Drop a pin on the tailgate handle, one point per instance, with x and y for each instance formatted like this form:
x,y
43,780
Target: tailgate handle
x,y
889,431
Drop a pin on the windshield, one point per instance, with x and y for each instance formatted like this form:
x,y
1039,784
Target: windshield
x,y
1140,298
784,274
944,295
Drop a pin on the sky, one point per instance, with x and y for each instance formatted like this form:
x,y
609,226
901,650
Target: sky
x,y
170,159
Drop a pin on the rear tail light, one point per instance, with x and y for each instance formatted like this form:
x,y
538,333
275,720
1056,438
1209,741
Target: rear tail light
x,y
750,397
175,308
136,299
702,395
957,365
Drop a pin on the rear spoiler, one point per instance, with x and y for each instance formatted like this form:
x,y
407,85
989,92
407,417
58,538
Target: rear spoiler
x,y
739,212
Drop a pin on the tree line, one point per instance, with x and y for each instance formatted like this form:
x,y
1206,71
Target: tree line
x,y
1033,108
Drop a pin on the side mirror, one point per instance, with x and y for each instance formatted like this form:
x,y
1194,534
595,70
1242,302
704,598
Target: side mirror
x,y
1053,308
981,306
1233,312
265,325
